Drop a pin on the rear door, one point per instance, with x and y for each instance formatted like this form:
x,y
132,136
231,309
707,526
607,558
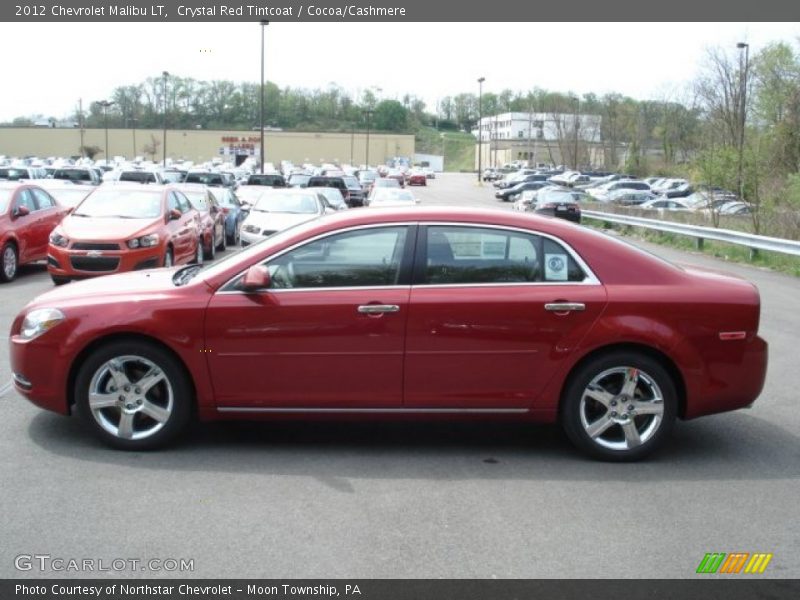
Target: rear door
x,y
493,313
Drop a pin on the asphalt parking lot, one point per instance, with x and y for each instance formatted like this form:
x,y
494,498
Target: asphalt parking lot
x,y
395,500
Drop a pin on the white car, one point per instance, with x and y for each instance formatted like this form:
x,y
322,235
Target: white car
x,y
663,204
277,209
392,197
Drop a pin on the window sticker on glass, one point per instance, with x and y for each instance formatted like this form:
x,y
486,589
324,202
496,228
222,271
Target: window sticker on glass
x,y
555,267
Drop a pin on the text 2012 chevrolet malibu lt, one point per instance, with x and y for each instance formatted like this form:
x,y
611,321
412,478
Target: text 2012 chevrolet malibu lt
x,y
407,312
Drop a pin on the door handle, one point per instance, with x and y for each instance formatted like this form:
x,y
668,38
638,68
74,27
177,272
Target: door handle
x,y
375,309
564,306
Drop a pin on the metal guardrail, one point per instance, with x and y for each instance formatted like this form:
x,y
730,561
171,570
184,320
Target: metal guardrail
x,y
754,242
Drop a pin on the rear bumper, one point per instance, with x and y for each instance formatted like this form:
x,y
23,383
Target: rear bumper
x,y
730,382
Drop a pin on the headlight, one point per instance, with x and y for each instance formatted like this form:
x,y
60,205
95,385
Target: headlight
x,y
146,241
250,229
39,321
58,240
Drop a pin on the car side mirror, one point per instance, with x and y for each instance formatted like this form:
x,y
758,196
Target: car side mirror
x,y
256,278
21,211
174,214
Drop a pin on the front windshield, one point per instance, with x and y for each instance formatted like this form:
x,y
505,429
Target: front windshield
x,y
126,204
69,196
287,203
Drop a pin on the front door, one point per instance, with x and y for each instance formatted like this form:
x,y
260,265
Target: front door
x,y
328,333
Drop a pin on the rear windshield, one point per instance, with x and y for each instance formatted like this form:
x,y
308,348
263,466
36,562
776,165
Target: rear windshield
x,y
73,174
205,178
138,176
271,180
14,174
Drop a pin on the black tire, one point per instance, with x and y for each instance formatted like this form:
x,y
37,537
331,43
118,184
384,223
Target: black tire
x,y
614,419
59,280
173,396
169,258
211,254
199,253
9,262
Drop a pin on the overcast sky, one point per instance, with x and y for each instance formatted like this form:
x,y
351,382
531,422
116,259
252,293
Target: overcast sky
x,y
47,67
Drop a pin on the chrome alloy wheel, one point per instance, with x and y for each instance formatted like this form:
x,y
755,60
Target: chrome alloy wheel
x,y
621,408
9,262
130,397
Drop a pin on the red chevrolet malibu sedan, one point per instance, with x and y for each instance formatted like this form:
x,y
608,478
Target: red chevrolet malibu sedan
x,y
408,312
27,216
125,227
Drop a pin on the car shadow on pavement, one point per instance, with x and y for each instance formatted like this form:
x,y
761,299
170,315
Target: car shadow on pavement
x,y
736,446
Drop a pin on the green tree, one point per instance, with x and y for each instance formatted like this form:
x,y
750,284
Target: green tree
x,y
390,115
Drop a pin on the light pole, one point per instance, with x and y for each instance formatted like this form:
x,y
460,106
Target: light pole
x,y
261,109
133,120
577,121
368,113
165,75
105,104
480,126
352,141
743,111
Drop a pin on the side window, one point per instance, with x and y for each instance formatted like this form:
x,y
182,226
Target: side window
x,y
361,258
475,255
559,264
25,198
183,203
467,255
43,199
172,202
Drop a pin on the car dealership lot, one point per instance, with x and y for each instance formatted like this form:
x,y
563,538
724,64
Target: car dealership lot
x,y
411,500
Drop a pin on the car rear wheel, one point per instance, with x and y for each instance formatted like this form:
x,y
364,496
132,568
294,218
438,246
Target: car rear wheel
x,y
211,253
133,395
619,406
10,262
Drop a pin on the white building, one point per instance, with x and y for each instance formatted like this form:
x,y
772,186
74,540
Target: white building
x,y
539,126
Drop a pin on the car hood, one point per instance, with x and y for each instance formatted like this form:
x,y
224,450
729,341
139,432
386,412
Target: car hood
x,y
108,228
277,221
97,288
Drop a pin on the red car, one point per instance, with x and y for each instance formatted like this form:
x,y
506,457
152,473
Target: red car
x,y
212,218
125,227
27,216
416,178
411,312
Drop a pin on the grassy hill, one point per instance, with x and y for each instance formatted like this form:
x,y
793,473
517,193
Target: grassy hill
x,y
458,147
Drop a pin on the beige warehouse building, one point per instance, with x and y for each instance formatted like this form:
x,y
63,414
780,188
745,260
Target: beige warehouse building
x,y
203,145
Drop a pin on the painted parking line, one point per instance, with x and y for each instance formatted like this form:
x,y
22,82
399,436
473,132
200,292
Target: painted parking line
x,y
6,388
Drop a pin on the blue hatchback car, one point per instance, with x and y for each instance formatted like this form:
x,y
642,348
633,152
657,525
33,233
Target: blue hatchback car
x,y
234,212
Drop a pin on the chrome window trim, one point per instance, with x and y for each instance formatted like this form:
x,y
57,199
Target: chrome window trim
x,y
591,278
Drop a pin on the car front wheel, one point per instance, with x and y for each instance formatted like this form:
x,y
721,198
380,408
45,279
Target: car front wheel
x,y
133,395
10,262
619,407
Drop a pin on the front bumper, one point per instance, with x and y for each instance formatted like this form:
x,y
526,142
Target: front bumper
x,y
75,264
